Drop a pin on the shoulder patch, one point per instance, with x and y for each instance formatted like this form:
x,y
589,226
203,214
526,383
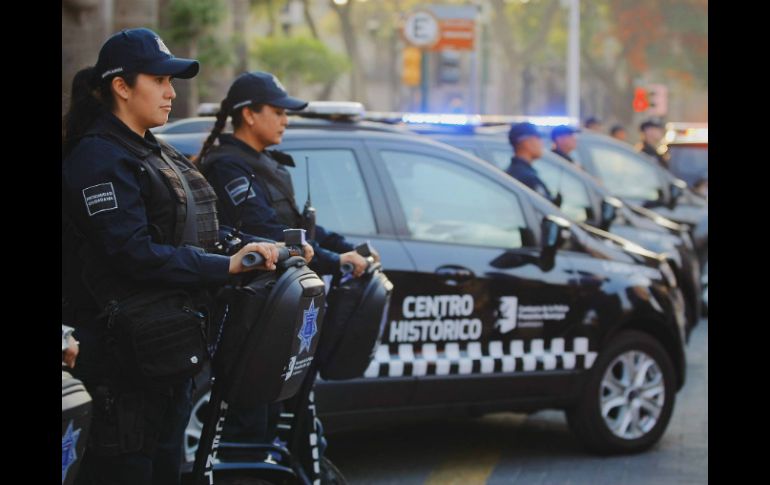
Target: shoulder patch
x,y
236,189
100,198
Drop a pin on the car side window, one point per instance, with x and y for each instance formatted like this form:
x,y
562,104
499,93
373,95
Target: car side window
x,y
337,190
623,174
501,158
191,127
446,202
575,201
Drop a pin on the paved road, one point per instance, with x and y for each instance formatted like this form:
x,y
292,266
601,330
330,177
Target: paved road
x,y
508,448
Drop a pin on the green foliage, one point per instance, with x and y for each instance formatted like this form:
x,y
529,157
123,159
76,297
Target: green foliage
x,y
299,59
191,18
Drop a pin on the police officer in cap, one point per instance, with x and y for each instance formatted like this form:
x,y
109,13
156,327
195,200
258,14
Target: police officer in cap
x,y
254,187
527,147
651,132
256,193
126,198
564,141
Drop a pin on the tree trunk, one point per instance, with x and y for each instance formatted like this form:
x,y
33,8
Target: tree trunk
x,y
357,83
309,19
240,14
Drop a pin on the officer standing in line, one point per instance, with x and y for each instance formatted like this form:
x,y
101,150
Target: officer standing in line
x,y
253,185
527,147
125,198
651,133
256,193
564,141
619,133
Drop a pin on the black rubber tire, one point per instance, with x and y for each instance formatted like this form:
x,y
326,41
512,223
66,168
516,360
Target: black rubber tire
x,y
330,474
585,419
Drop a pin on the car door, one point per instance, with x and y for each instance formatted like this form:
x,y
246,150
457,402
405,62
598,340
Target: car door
x,y
349,200
478,303
576,201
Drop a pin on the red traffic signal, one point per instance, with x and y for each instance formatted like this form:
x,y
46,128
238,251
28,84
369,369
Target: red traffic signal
x,y
641,102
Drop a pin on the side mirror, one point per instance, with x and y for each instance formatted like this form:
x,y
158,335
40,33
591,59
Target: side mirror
x,y
610,208
551,239
676,189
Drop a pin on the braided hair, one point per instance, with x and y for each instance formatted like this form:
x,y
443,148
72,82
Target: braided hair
x,y
225,110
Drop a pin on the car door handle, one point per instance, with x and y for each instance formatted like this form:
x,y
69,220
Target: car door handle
x,y
454,275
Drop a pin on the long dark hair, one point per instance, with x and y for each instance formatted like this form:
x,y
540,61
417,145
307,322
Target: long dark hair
x,y
90,97
225,110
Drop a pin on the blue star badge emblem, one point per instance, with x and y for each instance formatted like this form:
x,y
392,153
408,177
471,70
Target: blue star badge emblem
x,y
69,443
309,327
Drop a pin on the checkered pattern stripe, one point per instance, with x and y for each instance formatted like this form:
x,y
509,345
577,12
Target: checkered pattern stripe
x,y
427,359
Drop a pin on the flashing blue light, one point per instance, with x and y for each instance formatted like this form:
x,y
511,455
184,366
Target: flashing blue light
x,y
551,120
441,119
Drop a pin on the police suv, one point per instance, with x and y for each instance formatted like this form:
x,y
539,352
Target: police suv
x,y
500,303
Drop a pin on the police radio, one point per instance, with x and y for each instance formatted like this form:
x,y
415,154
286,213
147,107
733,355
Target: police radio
x,y
308,213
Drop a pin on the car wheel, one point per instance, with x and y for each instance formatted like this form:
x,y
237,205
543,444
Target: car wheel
x,y
330,474
629,397
192,433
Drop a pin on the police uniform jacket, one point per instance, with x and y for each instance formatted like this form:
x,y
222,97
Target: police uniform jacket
x,y
130,207
650,150
255,191
522,171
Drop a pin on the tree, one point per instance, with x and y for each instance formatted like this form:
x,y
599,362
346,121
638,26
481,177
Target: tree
x,y
299,59
190,23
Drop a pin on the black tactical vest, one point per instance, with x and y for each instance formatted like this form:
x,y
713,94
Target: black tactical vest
x,y
165,199
271,175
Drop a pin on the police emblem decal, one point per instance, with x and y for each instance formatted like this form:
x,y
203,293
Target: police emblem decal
x,y
309,327
162,46
278,83
69,443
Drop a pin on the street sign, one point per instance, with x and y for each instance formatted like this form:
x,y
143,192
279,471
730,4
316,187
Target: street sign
x,y
421,29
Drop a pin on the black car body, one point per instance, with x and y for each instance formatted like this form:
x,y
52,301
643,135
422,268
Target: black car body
x,y
585,200
637,179
488,313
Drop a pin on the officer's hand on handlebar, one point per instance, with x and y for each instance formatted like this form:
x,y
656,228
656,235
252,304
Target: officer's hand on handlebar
x,y
358,262
69,354
375,255
307,251
268,250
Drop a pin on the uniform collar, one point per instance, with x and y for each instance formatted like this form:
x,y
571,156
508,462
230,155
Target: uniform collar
x,y
109,124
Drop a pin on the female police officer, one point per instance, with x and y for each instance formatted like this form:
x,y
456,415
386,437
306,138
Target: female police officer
x,y
127,197
254,188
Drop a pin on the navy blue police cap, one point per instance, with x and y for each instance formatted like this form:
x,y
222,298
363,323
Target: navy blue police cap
x,y
261,88
562,130
141,50
520,131
652,123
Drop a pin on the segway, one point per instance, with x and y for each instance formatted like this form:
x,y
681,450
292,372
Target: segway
x,y
265,348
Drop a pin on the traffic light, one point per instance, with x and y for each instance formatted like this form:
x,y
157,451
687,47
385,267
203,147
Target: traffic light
x,y
449,67
657,94
641,102
411,68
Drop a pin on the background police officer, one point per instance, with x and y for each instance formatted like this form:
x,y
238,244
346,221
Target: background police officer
x,y
527,147
125,201
564,141
651,133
